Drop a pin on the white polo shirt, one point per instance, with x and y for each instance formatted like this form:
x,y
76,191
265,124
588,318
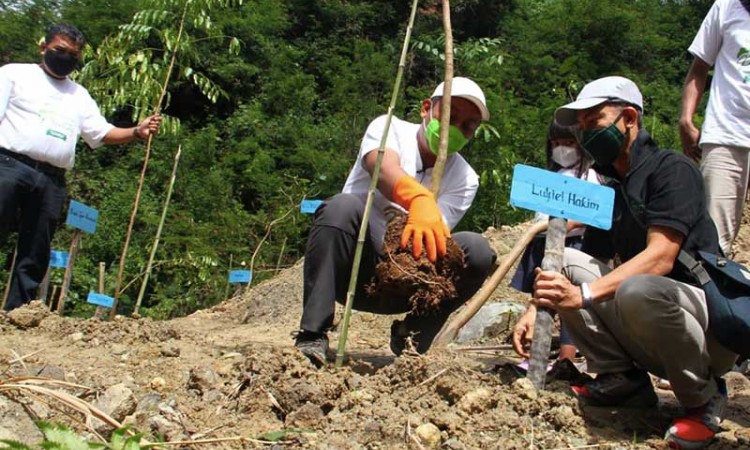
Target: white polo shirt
x,y
458,187
41,117
723,41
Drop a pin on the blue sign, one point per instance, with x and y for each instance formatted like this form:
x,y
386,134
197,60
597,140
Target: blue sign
x,y
58,259
240,276
562,196
100,300
82,217
309,206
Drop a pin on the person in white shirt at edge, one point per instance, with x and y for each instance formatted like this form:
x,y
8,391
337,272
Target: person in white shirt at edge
x,y
410,153
723,42
42,113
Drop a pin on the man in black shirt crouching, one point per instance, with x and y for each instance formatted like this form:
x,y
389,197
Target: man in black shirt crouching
x,y
643,315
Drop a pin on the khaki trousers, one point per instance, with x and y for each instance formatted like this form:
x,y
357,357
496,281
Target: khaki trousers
x,y
725,177
652,322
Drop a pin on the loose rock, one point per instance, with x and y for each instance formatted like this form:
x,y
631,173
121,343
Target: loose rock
x,y
30,315
429,435
170,351
118,402
203,379
478,400
525,389
308,416
16,423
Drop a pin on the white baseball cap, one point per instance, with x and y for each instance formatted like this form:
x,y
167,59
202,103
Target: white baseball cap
x,y
607,89
467,89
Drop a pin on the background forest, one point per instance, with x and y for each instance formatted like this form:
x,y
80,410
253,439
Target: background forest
x,y
270,98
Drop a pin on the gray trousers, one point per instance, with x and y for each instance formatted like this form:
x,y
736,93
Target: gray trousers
x,y
328,266
652,322
725,175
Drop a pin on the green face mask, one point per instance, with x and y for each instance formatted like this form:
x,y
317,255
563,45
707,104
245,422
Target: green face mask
x,y
603,144
456,139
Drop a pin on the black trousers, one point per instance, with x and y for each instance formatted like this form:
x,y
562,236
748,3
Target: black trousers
x,y
328,265
31,200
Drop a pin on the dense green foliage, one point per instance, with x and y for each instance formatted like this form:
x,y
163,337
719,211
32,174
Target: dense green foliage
x,y
293,99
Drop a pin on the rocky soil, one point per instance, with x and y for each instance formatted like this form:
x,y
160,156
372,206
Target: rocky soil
x,y
231,378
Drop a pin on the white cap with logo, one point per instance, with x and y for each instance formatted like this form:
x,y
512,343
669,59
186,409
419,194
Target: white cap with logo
x,y
607,89
466,89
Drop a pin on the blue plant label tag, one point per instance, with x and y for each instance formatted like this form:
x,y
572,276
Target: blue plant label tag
x,y
240,276
100,300
82,217
309,206
562,196
58,258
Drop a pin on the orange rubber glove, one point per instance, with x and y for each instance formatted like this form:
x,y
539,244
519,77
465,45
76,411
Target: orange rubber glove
x,y
425,222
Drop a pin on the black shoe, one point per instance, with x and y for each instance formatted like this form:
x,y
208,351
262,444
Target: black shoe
x,y
631,389
313,345
399,337
415,333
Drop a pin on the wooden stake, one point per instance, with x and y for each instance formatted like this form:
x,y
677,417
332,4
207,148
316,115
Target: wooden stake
x,y
53,296
100,311
44,287
462,316
69,270
371,193
10,278
445,103
554,248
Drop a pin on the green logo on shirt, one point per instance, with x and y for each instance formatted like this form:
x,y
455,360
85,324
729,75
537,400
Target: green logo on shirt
x,y
743,56
57,134
743,59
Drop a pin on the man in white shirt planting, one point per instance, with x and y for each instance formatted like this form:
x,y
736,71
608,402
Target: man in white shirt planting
x,y
405,174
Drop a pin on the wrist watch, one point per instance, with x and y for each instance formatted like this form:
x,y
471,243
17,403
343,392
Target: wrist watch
x,y
135,132
588,302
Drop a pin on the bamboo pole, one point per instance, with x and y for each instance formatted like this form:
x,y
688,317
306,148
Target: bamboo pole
x,y
150,263
371,193
10,278
157,110
75,242
554,247
445,103
460,318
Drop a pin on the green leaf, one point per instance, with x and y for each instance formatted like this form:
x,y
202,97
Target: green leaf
x,y
59,437
13,445
275,436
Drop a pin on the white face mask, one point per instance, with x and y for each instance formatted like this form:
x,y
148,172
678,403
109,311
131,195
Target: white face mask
x,y
565,156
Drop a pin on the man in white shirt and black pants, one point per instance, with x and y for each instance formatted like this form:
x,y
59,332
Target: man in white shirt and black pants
x,y
405,173
42,114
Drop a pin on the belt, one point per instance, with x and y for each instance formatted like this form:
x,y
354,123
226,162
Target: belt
x,y
44,167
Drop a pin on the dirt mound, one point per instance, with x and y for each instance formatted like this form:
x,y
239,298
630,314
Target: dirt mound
x,y
354,407
120,331
232,371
